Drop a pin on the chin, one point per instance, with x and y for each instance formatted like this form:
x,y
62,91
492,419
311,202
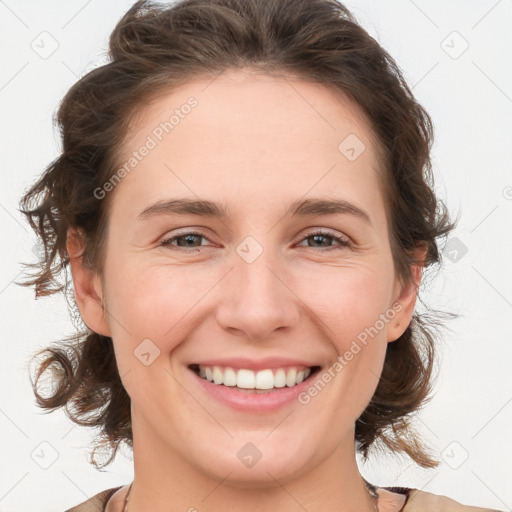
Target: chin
x,y
258,464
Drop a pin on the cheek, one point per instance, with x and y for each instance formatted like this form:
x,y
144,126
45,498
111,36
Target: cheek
x,y
348,299
155,302
355,313
151,311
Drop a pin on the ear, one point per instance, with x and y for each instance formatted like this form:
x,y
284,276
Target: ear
x,y
87,286
405,295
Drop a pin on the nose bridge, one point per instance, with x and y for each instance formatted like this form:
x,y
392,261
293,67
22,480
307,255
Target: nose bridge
x,y
255,269
258,301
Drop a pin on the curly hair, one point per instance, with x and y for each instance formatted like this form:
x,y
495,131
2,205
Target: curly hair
x,y
154,48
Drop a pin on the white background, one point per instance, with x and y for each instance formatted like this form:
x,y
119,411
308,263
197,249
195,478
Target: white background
x,y
469,96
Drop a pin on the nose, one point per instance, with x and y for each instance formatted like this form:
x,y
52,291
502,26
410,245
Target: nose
x,y
257,299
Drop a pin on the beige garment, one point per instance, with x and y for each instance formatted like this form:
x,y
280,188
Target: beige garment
x,y
421,501
418,501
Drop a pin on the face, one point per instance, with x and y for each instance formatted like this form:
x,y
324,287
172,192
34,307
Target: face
x,y
263,287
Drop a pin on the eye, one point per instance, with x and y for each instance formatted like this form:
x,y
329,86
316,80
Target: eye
x,y
188,240
319,234
187,236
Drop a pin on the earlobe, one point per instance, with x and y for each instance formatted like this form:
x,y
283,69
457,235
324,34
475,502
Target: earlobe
x,y
407,297
87,286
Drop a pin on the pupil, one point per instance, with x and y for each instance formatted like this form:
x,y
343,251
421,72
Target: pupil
x,y
188,239
316,237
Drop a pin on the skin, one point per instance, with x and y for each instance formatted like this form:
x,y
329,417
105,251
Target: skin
x,y
255,143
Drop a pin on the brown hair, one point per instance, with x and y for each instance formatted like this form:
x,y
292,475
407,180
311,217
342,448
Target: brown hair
x,y
154,48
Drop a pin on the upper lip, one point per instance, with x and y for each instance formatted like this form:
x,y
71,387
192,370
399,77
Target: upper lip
x,y
255,364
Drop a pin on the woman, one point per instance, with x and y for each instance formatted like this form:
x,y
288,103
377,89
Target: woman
x,y
245,201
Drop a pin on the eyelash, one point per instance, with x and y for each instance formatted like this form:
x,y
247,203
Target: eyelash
x,y
344,242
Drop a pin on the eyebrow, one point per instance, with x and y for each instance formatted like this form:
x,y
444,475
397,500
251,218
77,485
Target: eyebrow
x,y
301,208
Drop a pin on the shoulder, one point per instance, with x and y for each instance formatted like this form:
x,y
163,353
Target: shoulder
x,y
96,503
415,500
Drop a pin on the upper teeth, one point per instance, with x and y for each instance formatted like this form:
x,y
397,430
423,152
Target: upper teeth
x,y
248,379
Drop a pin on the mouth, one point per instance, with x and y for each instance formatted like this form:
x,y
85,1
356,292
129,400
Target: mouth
x,y
249,381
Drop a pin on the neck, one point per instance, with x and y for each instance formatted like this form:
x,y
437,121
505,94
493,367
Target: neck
x,y
165,481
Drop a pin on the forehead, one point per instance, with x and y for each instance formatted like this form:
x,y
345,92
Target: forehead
x,y
258,103
248,134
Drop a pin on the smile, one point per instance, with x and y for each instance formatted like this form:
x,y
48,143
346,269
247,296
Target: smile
x,y
256,381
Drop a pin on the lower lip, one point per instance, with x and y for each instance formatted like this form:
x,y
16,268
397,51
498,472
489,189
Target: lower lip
x,y
253,402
